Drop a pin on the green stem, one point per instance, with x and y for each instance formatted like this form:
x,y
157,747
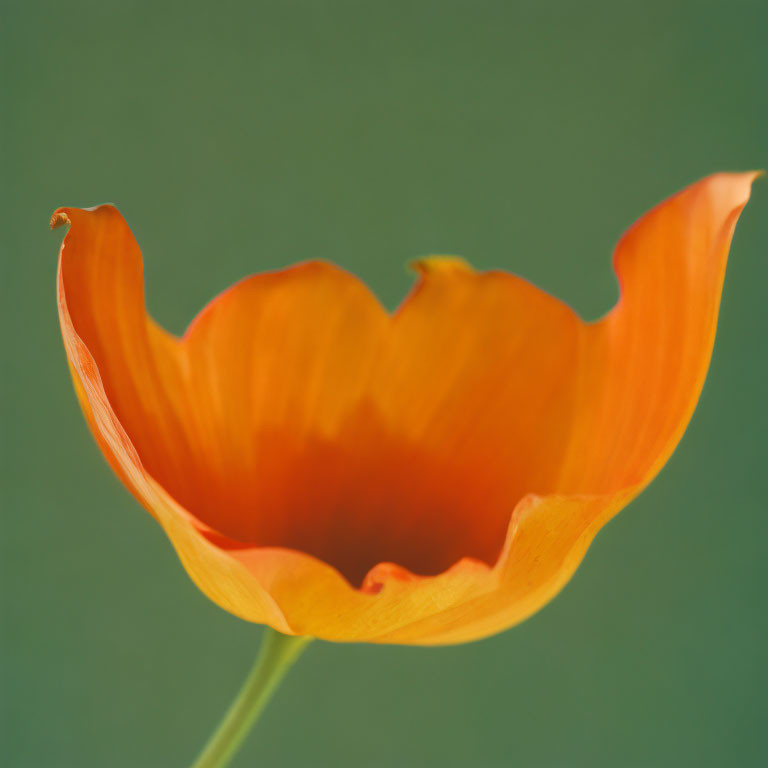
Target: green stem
x,y
277,655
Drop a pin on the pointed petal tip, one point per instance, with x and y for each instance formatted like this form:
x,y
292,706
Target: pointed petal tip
x,y
747,178
750,177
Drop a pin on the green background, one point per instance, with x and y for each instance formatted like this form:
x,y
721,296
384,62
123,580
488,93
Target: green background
x,y
238,137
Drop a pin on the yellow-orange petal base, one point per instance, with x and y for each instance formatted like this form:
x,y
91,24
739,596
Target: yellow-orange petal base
x,y
427,477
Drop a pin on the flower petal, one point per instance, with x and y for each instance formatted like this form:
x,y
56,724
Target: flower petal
x,y
295,412
643,366
221,578
604,406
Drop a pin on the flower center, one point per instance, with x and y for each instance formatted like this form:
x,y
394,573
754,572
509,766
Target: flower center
x,y
359,499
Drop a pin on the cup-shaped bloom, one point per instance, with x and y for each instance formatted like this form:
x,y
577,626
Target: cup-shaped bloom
x,y
428,476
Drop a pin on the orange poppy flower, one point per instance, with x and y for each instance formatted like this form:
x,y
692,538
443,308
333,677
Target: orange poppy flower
x,y
429,476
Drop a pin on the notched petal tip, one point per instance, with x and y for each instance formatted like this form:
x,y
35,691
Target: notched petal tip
x,y
59,218
434,265
74,216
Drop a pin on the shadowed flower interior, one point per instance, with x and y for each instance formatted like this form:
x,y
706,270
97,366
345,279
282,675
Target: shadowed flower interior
x,y
364,497
480,435
296,412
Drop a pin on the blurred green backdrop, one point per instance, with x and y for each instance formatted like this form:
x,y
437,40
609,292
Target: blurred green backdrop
x,y
237,137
